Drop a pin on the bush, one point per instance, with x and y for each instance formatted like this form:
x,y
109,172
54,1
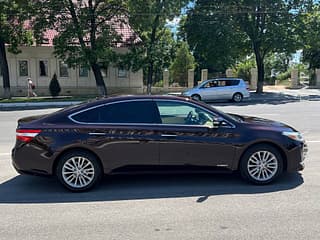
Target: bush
x,y
243,69
54,86
284,76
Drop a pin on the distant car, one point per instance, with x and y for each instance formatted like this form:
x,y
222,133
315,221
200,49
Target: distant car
x,y
144,134
234,89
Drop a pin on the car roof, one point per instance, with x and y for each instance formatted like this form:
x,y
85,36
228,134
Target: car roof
x,y
225,79
110,99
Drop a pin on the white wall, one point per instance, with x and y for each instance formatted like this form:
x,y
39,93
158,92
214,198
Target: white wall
x,y
74,83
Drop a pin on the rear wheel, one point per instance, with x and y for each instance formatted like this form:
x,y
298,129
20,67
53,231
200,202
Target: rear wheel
x,y
237,97
196,97
78,170
261,164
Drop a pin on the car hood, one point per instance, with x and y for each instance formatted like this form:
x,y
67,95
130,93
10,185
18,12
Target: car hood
x,y
263,123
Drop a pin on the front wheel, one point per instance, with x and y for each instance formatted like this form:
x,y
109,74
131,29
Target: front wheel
x,y
261,164
196,97
78,170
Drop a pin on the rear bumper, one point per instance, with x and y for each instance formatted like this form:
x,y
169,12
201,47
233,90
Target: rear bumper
x,y
32,164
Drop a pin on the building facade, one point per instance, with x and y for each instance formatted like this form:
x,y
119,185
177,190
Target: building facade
x,y
39,64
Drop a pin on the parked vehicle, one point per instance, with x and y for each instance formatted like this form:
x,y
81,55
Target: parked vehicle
x,y
234,89
152,133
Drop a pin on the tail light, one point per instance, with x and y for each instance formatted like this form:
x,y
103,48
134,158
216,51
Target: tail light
x,y
26,135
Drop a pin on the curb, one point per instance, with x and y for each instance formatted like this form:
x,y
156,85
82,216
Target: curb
x,y
30,105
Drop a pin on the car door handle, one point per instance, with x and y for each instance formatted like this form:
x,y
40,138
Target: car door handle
x,y
168,135
97,133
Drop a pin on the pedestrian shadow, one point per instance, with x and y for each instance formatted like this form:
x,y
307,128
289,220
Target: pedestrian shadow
x,y
29,189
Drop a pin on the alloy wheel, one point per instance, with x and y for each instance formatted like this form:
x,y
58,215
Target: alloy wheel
x,y
262,166
78,172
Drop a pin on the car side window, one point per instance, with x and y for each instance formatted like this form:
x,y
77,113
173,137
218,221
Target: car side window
x,y
232,82
122,112
177,113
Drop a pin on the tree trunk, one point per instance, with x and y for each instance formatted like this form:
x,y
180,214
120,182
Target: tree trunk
x,y
102,90
4,70
260,66
149,80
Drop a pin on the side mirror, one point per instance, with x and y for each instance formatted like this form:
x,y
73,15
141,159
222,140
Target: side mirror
x,y
217,122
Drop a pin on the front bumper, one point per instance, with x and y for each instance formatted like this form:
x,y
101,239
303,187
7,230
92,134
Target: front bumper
x,y
296,158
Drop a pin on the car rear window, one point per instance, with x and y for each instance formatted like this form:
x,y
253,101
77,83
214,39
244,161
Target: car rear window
x,y
122,112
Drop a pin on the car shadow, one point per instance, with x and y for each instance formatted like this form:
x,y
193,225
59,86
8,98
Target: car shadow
x,y
29,189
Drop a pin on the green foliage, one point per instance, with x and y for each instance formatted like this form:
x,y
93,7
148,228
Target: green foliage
x,y
182,63
87,31
54,86
13,14
284,76
214,39
156,50
243,69
219,32
158,84
310,36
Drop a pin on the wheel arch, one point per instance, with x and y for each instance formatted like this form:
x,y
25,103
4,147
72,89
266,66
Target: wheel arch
x,y
71,149
237,93
196,94
276,146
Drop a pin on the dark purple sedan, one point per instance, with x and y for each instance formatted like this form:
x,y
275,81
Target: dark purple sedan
x,y
140,134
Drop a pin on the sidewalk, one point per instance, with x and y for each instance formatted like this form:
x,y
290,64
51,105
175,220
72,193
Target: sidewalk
x,y
270,94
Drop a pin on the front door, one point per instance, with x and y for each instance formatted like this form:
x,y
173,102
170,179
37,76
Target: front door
x,y
188,137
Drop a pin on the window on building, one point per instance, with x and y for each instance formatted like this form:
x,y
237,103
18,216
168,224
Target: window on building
x,y
122,72
63,69
83,71
23,68
43,68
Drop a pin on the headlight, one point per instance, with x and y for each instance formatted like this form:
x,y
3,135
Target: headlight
x,y
294,136
186,93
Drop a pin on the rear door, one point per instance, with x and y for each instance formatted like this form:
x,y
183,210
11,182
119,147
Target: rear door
x,y
122,133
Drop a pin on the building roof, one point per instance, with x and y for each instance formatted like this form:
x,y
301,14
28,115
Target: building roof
x,y
124,30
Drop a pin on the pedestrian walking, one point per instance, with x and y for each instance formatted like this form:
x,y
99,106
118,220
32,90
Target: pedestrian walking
x,y
31,87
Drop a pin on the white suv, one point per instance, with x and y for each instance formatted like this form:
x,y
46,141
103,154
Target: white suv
x,y
219,89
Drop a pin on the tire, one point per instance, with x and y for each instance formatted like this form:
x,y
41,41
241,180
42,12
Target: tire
x,y
196,97
261,164
237,97
79,171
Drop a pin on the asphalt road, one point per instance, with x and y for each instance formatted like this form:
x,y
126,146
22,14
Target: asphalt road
x,y
168,207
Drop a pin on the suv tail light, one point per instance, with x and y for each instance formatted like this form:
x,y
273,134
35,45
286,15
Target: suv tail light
x,y
26,135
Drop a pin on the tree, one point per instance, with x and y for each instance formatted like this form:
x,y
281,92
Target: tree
x,y
87,31
148,18
310,37
54,86
267,26
13,14
215,42
182,63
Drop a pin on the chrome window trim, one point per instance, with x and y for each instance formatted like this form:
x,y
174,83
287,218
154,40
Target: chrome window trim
x,y
146,124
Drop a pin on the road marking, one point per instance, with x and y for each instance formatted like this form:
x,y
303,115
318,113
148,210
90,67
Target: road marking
x,y
5,154
313,141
